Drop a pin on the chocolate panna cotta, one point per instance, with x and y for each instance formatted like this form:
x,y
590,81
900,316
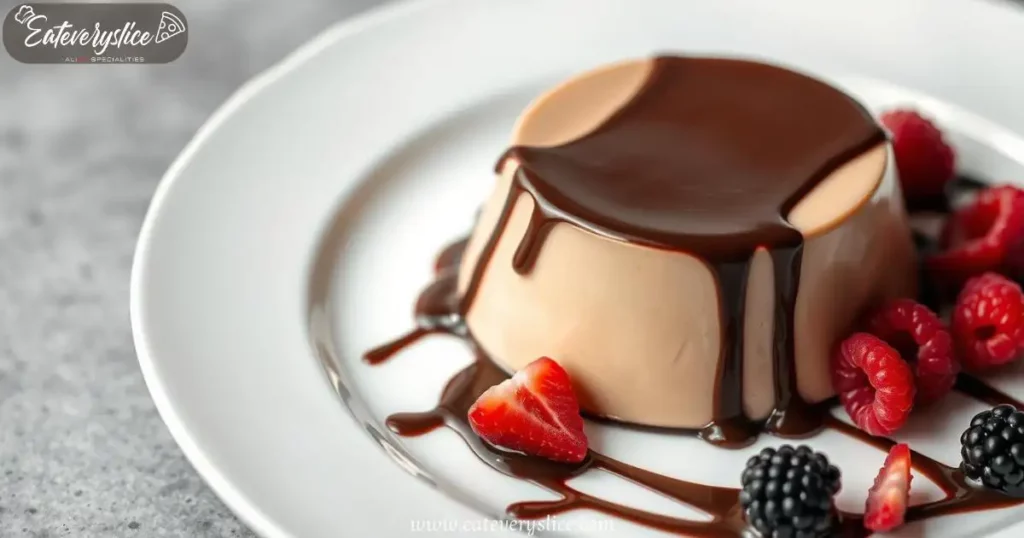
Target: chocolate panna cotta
x,y
743,235
722,221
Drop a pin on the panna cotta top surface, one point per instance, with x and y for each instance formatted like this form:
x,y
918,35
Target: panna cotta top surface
x,y
708,155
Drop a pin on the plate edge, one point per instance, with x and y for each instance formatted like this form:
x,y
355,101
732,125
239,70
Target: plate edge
x,y
237,501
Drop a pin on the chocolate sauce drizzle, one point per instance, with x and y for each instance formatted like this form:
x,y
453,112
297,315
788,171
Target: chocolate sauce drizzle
x,y
654,174
436,313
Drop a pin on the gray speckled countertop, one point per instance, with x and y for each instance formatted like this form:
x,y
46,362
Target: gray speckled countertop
x,y
82,450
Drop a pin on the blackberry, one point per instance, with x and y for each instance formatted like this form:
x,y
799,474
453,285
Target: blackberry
x,y
992,449
788,492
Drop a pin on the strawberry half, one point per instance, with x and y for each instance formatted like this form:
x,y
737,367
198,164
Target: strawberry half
x,y
889,497
534,412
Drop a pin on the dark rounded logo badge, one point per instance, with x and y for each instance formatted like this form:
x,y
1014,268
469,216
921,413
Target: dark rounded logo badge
x,y
79,33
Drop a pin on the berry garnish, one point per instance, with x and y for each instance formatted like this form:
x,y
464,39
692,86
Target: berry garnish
x,y
889,496
789,491
981,236
988,322
923,341
875,385
924,160
534,412
992,450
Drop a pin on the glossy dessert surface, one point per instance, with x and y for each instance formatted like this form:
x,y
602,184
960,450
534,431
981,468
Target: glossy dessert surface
x,y
654,213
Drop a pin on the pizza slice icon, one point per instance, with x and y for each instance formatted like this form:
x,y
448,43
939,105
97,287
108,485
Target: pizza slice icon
x,y
170,26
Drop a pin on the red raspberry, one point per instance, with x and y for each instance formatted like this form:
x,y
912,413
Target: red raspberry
x,y
924,160
874,384
923,341
988,321
982,236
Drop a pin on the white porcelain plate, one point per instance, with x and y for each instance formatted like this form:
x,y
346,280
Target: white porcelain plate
x,y
295,231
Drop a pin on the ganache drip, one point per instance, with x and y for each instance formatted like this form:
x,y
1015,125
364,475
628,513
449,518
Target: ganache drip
x,y
648,175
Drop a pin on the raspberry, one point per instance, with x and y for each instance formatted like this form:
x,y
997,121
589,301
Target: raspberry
x,y
875,385
923,341
988,321
924,160
983,236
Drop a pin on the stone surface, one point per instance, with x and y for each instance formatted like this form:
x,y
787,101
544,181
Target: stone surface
x,y
82,450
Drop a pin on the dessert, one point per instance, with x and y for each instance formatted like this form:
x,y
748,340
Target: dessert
x,y
722,246
677,230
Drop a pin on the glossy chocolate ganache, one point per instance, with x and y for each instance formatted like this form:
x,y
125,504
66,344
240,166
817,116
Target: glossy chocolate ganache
x,y
708,158
682,167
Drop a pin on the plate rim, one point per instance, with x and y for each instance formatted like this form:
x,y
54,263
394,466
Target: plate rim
x,y
232,496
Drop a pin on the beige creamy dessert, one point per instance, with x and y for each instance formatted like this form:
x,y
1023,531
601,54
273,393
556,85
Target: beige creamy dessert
x,y
676,314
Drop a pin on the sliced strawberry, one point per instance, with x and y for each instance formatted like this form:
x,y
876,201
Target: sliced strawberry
x,y
889,497
534,412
